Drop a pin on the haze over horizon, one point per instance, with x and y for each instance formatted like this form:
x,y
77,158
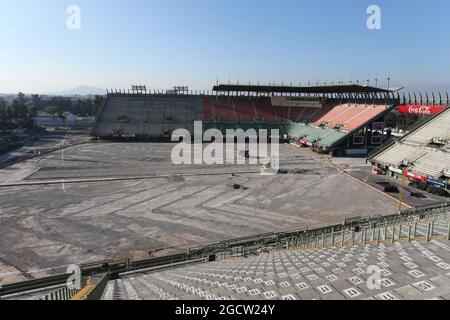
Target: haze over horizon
x,y
195,43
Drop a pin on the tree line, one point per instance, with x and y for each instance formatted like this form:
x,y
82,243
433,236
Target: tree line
x,y
20,111
402,121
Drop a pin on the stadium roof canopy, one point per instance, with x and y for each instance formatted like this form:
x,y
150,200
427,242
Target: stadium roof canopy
x,y
352,88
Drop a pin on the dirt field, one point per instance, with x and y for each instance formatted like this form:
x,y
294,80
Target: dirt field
x,y
114,200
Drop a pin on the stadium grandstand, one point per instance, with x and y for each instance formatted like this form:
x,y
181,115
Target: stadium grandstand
x,y
422,155
336,119
409,251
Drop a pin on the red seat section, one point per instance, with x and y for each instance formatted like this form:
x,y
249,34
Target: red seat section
x,y
369,112
334,112
224,110
266,111
296,114
208,113
320,112
310,114
244,110
350,112
282,112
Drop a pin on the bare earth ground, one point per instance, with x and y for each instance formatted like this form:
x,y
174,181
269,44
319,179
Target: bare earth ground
x,y
43,227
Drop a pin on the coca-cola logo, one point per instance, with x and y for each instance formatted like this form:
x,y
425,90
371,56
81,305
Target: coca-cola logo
x,y
420,110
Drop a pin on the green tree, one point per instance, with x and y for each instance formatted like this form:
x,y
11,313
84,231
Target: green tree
x,y
31,112
3,117
96,104
54,110
37,102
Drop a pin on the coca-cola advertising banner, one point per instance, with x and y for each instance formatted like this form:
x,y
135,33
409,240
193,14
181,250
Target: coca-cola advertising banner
x,y
415,176
420,110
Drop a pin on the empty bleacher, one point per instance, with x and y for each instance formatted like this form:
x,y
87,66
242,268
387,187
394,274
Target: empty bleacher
x,y
296,114
265,111
208,112
407,256
425,159
283,112
148,116
395,155
323,136
244,110
224,110
367,112
433,163
437,127
411,259
348,116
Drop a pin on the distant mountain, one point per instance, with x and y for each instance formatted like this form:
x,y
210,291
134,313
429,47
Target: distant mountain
x,y
80,91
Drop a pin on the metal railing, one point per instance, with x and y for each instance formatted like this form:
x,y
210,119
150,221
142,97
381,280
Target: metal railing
x,y
301,238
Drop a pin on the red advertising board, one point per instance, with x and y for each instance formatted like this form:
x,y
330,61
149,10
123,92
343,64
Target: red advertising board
x,y
415,176
420,110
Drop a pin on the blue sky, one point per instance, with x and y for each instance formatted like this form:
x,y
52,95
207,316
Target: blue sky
x,y
162,43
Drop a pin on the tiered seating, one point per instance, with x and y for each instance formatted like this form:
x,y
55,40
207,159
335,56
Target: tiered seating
x,y
367,112
428,160
296,114
224,110
319,113
438,127
353,112
283,112
395,155
325,137
244,110
309,114
343,116
265,111
334,112
433,163
116,107
208,113
328,268
349,116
